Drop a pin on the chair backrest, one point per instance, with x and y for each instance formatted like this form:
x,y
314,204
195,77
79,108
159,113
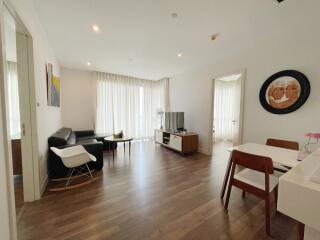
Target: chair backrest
x,y
251,161
283,144
74,156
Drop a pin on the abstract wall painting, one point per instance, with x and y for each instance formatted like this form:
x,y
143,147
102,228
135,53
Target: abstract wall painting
x,y
53,87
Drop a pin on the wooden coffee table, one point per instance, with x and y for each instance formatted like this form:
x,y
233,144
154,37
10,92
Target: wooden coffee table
x,y
111,140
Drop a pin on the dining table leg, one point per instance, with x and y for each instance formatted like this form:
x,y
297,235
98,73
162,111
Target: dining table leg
x,y
226,178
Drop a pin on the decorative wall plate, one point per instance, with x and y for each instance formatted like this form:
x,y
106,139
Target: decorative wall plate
x,y
284,92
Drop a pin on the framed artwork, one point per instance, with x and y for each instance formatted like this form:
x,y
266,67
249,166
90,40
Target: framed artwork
x,y
53,87
284,92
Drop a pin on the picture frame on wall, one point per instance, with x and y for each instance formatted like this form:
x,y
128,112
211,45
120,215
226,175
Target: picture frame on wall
x,y
284,92
53,87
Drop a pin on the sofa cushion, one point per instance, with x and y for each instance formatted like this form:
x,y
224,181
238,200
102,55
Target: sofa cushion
x,y
86,141
86,138
60,137
72,139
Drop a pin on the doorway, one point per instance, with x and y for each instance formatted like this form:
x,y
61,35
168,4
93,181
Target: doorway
x,y
227,109
13,104
19,112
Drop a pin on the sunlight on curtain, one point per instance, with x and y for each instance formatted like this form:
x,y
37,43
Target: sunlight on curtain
x,y
13,90
129,104
226,108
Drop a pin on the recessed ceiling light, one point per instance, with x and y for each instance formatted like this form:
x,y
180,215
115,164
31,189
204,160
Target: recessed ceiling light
x,y
95,28
214,37
179,55
89,63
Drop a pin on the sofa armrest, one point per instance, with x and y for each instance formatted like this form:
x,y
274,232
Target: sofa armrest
x,y
84,133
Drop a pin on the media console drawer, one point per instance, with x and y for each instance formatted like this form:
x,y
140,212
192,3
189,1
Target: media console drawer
x,y
175,142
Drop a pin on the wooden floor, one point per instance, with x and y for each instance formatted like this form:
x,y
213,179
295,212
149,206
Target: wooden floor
x,y
18,195
156,194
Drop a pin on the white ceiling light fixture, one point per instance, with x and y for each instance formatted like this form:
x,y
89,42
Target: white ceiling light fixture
x,y
89,64
95,28
179,55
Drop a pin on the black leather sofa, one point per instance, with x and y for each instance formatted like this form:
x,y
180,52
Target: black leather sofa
x,y
65,137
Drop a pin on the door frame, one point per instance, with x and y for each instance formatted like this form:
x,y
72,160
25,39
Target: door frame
x,y
243,77
30,164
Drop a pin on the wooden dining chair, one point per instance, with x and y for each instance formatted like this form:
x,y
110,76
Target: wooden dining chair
x,y
282,144
256,178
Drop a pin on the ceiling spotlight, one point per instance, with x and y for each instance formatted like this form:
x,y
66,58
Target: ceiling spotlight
x,y
179,55
89,63
214,37
95,28
174,15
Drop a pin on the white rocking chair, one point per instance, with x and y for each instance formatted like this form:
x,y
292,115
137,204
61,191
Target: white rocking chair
x,y
75,158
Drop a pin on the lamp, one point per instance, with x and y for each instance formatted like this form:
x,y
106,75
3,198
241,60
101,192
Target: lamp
x,y
160,113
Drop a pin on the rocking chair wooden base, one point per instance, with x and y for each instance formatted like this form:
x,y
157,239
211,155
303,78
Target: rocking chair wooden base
x,y
72,178
58,185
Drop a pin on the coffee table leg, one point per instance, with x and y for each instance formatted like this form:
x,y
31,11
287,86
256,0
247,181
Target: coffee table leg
x,y
113,153
129,148
226,177
124,147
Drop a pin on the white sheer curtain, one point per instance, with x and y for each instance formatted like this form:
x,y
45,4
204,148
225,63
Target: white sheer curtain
x,y
129,104
226,108
13,90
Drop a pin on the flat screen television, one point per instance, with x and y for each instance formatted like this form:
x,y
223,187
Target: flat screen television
x,y
174,121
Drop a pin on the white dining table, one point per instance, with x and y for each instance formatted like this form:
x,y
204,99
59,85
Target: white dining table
x,y
299,195
284,157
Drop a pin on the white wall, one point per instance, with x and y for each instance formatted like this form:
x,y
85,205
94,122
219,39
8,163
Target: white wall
x,y
77,99
191,92
48,118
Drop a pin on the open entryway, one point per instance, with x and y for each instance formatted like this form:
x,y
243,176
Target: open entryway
x,y
18,112
227,108
10,38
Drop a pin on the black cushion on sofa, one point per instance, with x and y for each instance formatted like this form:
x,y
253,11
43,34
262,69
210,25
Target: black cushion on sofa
x,y
85,138
86,141
72,139
60,137
84,133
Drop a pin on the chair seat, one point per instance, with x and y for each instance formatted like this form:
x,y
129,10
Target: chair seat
x,y
256,179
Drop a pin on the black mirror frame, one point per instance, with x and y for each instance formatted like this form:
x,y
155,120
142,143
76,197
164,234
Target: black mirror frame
x,y
305,91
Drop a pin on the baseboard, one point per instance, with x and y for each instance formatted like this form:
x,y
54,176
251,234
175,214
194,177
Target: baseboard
x,y
44,185
204,151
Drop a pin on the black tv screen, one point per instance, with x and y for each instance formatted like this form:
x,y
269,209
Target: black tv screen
x,y
174,120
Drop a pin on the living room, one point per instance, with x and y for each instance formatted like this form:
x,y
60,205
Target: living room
x,y
135,88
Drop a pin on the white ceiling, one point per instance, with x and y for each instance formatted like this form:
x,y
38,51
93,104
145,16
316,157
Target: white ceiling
x,y
139,37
